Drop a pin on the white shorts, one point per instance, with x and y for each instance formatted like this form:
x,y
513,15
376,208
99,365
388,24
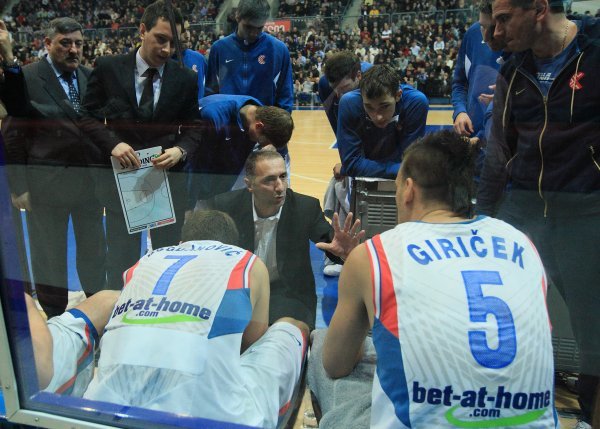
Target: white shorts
x,y
73,340
272,367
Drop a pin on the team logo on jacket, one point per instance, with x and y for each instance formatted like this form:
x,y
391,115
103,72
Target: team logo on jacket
x,y
574,82
262,59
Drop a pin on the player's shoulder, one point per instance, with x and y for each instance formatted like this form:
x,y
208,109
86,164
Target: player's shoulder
x,y
411,95
195,56
496,224
224,44
474,28
351,98
182,72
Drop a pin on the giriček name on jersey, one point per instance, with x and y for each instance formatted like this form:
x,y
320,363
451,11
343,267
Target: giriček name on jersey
x,y
474,246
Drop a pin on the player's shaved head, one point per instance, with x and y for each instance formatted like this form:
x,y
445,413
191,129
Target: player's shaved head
x,y
210,225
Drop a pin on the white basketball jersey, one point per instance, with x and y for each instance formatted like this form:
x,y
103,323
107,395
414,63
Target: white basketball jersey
x,y
173,340
461,328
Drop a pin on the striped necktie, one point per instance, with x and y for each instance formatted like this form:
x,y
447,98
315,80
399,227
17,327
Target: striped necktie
x,y
73,94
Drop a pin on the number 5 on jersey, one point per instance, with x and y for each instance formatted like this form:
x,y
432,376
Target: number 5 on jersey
x,y
479,307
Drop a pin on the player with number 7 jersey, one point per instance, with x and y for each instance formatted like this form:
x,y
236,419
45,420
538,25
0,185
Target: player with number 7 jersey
x,y
460,327
174,338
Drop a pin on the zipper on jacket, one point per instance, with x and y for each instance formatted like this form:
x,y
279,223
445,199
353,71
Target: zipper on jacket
x,y
245,73
545,98
542,155
593,152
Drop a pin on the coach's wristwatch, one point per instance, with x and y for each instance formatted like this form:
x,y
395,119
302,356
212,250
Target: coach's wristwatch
x,y
183,153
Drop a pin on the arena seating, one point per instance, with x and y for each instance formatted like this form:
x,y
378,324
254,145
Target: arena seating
x,y
403,39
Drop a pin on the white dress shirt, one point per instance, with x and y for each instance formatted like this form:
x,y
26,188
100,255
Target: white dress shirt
x,y
265,240
140,68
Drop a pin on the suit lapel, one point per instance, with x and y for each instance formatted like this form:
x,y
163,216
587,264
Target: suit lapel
x,y
247,222
55,89
167,87
82,83
126,74
284,226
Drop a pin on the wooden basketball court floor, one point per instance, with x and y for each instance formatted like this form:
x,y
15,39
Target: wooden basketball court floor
x,y
312,158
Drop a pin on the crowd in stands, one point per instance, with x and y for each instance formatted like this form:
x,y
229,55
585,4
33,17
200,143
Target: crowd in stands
x,y
424,53
29,15
324,8
377,7
422,50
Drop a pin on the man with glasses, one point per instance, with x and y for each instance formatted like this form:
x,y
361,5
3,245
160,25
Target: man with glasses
x,y
56,186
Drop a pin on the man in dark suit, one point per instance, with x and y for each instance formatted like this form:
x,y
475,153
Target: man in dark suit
x,y
276,224
138,101
56,184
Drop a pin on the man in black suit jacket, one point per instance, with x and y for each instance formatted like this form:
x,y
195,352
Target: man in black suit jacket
x,y
56,183
119,121
277,223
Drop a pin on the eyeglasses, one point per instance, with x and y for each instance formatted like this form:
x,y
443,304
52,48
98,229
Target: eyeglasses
x,y
67,43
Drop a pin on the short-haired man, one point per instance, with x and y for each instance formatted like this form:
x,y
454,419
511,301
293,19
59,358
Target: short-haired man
x,y
277,224
544,139
193,60
342,72
49,175
235,125
476,70
251,62
137,101
377,122
428,289
183,318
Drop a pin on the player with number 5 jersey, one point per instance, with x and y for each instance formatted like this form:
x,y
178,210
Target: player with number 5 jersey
x,y
459,311
457,305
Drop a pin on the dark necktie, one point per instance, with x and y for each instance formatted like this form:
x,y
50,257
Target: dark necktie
x,y
147,99
73,94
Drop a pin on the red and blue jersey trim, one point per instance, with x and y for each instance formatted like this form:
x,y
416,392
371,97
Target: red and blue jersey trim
x,y
128,274
87,356
235,311
240,275
384,294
